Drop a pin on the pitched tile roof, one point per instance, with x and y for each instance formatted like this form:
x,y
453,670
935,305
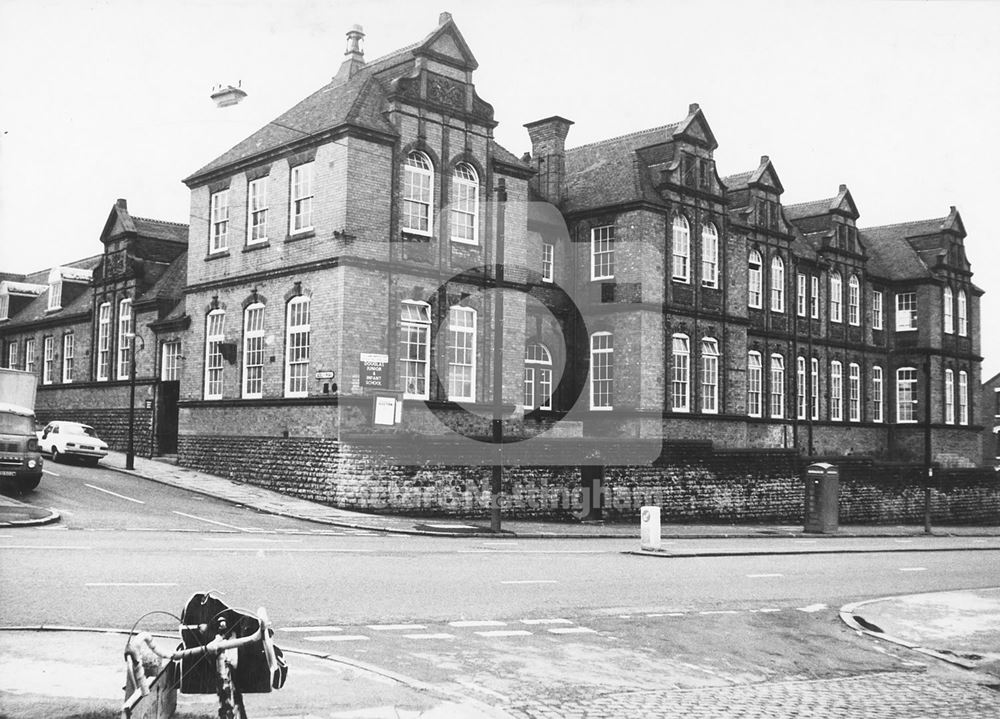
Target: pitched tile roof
x,y
732,182
610,171
172,282
37,309
892,256
160,230
809,209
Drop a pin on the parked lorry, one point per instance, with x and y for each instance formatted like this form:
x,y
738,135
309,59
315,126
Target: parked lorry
x,y
20,459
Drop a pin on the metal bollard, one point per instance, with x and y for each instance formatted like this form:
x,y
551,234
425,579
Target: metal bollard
x,y
650,529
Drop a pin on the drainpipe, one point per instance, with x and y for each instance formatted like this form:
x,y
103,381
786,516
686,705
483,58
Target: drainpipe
x,y
497,477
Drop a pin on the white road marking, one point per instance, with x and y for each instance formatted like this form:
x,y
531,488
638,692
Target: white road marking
x,y
763,576
211,521
338,638
439,635
532,551
131,584
300,550
720,611
505,633
311,629
477,623
769,610
114,494
252,539
812,608
529,581
52,473
913,569
572,630
40,546
546,621
395,627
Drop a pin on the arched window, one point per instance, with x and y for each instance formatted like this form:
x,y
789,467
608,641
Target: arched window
x,y
680,376
836,297
709,256
414,351
754,279
465,204
125,332
602,370
709,375
418,193
777,284
963,314
949,396
854,300
462,354
537,377
947,307
253,351
754,384
777,386
104,342
297,341
681,249
215,335
836,391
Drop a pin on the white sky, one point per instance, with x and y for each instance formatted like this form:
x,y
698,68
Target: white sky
x,y
899,100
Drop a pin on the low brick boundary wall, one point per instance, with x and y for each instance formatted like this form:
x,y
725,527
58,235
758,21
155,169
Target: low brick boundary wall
x,y
690,484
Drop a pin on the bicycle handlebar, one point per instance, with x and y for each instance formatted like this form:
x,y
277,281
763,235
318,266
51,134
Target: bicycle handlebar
x,y
213,647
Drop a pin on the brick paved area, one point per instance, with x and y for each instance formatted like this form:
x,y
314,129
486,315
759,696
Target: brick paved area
x,y
881,696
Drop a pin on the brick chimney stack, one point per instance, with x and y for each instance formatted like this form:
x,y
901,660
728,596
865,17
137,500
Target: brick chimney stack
x,y
548,150
354,55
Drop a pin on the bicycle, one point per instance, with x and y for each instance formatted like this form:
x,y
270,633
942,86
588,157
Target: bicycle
x,y
261,670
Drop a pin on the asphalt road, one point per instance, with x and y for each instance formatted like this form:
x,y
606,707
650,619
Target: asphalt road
x,y
534,623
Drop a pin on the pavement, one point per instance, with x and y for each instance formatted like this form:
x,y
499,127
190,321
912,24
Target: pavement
x,y
42,678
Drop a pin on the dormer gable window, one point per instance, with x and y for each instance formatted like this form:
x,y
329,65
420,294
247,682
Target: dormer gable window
x,y
55,290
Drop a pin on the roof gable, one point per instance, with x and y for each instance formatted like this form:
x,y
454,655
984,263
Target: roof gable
x,y
118,223
766,176
953,223
695,129
845,203
446,44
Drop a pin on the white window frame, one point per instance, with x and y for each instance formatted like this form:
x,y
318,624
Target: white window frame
x,y
801,298
257,211
48,358
801,397
215,335
55,295
755,381
218,230
170,364
12,354
602,252
814,388
537,376
948,310
854,392
253,351
418,194
462,324
710,256
777,284
126,329
836,391
877,310
298,341
963,397
4,306
548,261
963,314
680,249
755,279
878,394
414,355
104,342
814,298
602,371
777,393
680,373
301,195
906,311
854,301
949,396
906,395
836,297
29,355
68,357
709,375
465,204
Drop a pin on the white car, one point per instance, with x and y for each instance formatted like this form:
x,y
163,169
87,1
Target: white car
x,y
72,439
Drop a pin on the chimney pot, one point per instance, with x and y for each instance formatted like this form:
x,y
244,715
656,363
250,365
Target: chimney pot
x,y
444,17
693,108
843,188
764,159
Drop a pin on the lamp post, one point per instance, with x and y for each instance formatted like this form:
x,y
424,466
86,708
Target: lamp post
x,y
928,468
130,456
496,483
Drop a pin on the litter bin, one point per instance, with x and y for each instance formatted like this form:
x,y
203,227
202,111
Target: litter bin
x,y
822,490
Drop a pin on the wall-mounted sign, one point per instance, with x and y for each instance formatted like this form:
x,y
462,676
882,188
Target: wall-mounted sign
x,y
371,369
325,374
385,410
